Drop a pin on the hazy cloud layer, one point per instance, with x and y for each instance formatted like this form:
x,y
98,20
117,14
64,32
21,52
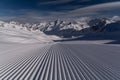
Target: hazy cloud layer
x,y
38,10
55,2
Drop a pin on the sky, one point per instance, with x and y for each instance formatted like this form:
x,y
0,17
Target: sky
x,y
36,10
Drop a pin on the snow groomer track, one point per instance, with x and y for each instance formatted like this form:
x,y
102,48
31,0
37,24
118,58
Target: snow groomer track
x,y
59,61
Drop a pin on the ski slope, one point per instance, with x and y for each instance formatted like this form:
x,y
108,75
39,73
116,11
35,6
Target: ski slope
x,y
59,61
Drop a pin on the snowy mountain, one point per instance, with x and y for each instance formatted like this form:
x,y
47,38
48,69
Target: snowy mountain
x,y
105,24
76,27
16,32
58,27
61,28
103,29
67,29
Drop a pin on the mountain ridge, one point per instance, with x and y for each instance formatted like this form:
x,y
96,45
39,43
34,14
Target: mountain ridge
x,y
67,29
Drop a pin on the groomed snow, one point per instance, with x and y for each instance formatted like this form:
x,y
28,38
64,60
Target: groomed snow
x,y
59,61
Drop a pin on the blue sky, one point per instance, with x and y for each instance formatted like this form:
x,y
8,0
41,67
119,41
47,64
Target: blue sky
x,y
40,9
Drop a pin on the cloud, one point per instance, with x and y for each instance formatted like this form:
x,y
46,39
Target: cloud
x,y
55,2
101,10
112,8
84,0
61,2
27,15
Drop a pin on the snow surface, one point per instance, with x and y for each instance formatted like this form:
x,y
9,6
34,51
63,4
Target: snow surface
x,y
59,61
11,32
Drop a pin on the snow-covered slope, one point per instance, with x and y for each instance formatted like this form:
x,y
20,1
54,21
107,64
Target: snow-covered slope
x,y
15,32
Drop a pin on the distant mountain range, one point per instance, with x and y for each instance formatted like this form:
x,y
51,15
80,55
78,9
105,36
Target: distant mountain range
x,y
68,29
